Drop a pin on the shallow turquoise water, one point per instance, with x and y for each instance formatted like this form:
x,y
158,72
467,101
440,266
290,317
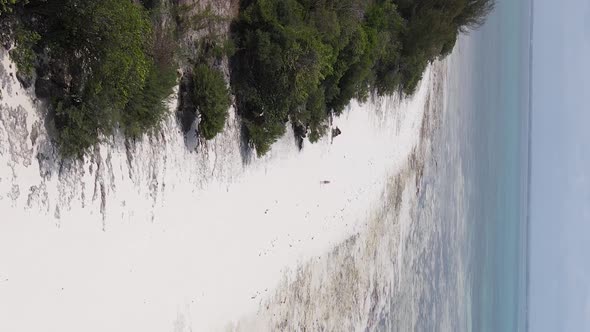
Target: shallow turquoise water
x,y
495,167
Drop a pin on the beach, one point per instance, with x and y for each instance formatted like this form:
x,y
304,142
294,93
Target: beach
x,y
171,234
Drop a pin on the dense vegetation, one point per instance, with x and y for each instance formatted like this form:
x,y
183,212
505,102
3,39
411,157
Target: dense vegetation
x,y
211,97
111,63
206,84
303,60
101,64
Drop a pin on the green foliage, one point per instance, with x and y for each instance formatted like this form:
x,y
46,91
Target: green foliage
x,y
314,115
109,63
213,48
145,109
301,60
433,26
22,54
297,61
211,98
106,44
281,61
208,92
111,39
263,133
78,129
6,5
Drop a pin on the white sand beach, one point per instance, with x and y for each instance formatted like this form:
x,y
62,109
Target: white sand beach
x,y
168,235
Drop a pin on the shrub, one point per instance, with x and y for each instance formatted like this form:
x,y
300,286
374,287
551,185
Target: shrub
x,y
108,42
145,109
211,99
22,54
78,129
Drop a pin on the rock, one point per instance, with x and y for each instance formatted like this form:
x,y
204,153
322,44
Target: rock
x,y
336,132
6,28
25,80
300,132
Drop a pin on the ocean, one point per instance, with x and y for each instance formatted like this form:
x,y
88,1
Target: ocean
x,y
447,251
496,164
469,230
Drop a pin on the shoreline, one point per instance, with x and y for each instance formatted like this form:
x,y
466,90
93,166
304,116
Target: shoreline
x,y
352,285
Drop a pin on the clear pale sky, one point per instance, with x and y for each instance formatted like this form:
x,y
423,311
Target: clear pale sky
x,y
560,206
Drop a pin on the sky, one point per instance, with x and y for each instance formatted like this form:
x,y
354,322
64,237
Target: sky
x,y
560,201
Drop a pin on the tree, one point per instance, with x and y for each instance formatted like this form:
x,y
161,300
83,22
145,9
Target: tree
x,y
211,99
302,60
114,71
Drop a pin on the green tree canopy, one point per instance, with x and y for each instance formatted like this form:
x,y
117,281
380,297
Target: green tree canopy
x,y
107,63
211,98
302,60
